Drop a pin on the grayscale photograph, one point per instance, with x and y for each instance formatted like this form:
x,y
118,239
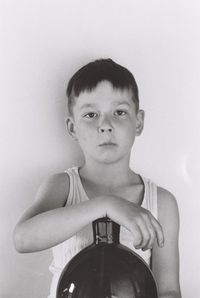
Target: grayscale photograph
x,y
99,155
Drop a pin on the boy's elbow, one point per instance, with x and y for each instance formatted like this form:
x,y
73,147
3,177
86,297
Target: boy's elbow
x,y
19,240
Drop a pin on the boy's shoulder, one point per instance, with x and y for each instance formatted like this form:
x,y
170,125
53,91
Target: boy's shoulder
x,y
55,185
58,179
165,196
166,201
167,205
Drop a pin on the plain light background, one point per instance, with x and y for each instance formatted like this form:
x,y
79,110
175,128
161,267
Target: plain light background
x,y
42,44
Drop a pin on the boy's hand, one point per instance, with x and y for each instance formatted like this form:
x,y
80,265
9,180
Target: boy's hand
x,y
139,221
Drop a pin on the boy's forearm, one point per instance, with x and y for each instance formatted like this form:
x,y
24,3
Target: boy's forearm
x,y
55,226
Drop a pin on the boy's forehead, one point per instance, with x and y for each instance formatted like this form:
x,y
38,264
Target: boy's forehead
x,y
104,93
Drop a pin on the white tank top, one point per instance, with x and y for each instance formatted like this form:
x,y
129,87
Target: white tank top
x,y
65,251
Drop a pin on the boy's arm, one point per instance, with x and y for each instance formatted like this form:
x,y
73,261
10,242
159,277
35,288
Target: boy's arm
x,y
165,260
48,221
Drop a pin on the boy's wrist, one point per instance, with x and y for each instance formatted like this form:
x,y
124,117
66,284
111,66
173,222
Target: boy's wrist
x,y
103,206
106,205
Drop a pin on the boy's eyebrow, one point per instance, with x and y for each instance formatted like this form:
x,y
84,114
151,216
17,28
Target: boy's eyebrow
x,y
90,105
87,105
122,103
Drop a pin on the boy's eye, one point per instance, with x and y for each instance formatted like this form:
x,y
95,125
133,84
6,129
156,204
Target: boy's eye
x,y
90,115
120,113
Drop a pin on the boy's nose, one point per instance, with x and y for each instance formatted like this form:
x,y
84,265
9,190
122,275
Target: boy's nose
x,y
105,126
105,129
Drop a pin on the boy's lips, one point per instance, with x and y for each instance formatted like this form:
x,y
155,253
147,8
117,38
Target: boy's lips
x,y
107,144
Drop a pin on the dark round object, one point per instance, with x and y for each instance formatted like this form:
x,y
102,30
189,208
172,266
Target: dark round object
x,y
106,269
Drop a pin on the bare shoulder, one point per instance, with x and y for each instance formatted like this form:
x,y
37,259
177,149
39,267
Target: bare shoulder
x,y
56,180
166,198
167,207
52,194
54,189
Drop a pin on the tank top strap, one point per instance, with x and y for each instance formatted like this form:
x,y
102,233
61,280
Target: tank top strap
x,y
150,197
76,191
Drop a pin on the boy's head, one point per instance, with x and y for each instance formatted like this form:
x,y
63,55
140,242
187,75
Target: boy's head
x,y
88,77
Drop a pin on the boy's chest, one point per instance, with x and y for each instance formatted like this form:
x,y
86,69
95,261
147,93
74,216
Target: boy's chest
x,y
132,193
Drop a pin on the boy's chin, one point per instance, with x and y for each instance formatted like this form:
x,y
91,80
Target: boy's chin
x,y
108,159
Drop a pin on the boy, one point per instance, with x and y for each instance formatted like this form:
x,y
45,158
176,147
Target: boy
x,y
104,117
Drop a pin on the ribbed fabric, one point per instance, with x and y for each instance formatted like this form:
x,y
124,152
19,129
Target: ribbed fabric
x,y
65,251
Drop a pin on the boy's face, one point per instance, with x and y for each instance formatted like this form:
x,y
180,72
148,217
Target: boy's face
x,y
105,123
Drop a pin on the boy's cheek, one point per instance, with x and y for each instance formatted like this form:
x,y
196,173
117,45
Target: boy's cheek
x,y
88,129
85,135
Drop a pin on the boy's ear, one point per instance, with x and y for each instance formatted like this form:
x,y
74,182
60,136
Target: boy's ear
x,y
140,122
71,127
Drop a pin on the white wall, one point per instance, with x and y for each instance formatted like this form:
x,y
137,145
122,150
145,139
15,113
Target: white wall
x,y
42,44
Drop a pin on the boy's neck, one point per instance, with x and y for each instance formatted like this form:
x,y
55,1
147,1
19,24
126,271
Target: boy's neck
x,y
103,174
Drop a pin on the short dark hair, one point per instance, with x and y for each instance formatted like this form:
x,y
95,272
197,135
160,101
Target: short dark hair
x,y
87,78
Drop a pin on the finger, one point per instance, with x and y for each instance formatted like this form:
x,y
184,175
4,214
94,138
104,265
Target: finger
x,y
146,237
159,231
145,234
137,236
148,230
151,239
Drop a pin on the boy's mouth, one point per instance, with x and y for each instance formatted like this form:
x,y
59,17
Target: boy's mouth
x,y
107,144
